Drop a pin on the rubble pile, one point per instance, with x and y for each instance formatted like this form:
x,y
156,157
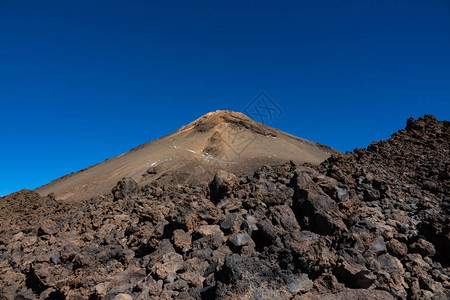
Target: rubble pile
x,y
373,223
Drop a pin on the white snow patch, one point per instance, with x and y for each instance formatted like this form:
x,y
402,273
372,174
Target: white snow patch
x,y
208,157
159,161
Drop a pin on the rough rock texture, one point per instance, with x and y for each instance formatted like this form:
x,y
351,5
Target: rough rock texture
x,y
371,224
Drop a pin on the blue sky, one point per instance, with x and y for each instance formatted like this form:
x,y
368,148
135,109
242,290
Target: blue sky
x,y
82,81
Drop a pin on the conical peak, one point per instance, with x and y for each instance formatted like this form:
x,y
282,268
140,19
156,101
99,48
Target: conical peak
x,y
224,116
218,140
219,118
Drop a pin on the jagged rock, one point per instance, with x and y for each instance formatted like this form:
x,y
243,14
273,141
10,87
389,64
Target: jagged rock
x,y
423,247
378,245
246,277
149,288
193,278
69,252
342,195
213,241
267,233
221,185
300,284
102,288
231,222
322,213
302,181
311,252
168,263
124,281
48,227
270,193
397,248
178,285
204,230
125,188
354,275
182,240
249,224
164,260
284,216
241,239
390,264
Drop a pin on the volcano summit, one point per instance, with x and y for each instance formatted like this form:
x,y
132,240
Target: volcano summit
x,y
221,140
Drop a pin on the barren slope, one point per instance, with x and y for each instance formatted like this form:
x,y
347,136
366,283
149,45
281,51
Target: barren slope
x,y
218,140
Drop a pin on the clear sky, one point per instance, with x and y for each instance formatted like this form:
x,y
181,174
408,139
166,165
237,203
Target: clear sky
x,y
82,81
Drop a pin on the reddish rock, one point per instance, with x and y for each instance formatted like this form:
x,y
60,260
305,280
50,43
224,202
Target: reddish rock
x,y
182,240
423,247
397,248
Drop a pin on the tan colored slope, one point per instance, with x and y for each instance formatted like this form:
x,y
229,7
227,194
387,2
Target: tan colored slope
x,y
192,154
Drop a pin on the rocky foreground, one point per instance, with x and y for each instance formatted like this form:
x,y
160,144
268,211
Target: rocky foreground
x,y
371,224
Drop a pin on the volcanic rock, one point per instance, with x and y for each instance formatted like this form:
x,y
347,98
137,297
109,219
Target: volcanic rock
x,y
368,224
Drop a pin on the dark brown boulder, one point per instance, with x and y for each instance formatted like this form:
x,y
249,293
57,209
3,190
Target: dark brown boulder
x,y
221,186
125,188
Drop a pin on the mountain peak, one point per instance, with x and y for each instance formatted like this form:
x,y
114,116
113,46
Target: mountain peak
x,y
219,140
225,114
228,121
217,118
